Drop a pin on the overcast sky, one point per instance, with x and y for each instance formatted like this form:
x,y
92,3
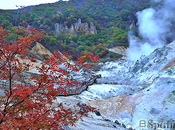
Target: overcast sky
x,y
11,4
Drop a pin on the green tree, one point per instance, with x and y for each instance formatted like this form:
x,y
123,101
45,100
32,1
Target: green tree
x,y
53,41
80,48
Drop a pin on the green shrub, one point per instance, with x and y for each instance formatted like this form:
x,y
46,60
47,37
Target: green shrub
x,y
80,48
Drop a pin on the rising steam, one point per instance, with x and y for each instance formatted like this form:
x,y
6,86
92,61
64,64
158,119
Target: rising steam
x,y
155,29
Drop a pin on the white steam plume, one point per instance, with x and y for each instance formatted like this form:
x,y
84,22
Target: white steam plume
x,y
154,28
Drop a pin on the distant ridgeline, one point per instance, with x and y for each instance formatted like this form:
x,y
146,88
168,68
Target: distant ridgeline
x,y
76,28
84,26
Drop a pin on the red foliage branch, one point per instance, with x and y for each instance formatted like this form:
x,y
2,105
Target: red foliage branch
x,y
29,106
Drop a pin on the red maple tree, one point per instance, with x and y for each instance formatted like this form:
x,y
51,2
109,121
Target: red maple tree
x,y
29,106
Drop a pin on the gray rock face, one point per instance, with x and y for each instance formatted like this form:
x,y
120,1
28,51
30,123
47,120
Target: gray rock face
x,y
92,29
78,24
86,28
72,30
66,30
75,28
59,28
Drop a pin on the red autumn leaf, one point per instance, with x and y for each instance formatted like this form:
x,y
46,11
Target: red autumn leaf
x,y
28,106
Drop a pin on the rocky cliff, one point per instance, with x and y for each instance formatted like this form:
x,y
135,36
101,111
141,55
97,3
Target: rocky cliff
x,y
76,28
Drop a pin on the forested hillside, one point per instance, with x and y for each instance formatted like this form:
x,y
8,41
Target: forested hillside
x,y
111,20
